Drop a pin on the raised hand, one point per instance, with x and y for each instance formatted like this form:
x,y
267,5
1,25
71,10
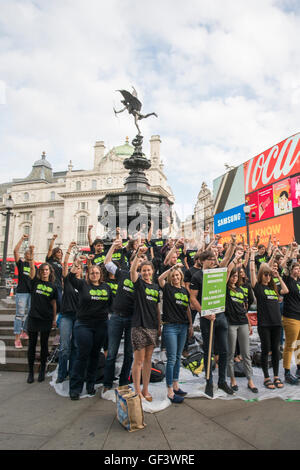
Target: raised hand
x,y
54,237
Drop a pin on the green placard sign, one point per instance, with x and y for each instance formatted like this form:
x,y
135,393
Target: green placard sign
x,y
213,291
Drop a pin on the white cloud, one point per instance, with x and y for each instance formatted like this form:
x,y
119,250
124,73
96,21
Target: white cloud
x,y
222,75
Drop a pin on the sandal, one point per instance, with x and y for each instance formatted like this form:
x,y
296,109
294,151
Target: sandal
x,y
147,397
278,383
268,384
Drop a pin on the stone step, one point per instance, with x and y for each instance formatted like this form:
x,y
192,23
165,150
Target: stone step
x,y
14,364
9,340
8,330
7,320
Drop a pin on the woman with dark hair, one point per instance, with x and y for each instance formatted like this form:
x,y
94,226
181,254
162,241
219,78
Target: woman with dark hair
x,y
177,321
268,317
54,258
291,322
42,314
70,300
145,322
245,285
90,328
239,328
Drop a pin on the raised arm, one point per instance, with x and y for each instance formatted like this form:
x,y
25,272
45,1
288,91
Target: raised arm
x,y
284,289
51,246
163,276
134,266
66,259
18,246
31,262
115,246
253,278
89,235
229,251
150,232
269,247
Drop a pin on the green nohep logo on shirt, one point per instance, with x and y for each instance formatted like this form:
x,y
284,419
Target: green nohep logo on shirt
x,y
99,259
159,243
271,294
128,283
45,290
181,298
152,294
26,270
117,256
113,286
99,294
237,296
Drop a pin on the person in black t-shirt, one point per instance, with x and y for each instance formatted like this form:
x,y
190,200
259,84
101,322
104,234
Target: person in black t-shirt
x,y
145,322
291,322
120,320
177,322
220,325
268,317
239,327
70,301
42,315
90,328
23,293
187,281
261,256
54,257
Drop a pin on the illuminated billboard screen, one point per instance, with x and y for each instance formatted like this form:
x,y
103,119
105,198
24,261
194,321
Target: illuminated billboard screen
x,y
271,187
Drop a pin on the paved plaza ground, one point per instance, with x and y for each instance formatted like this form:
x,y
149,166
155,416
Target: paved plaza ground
x,y
35,417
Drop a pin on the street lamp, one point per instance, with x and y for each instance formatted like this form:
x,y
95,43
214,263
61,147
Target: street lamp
x,y
8,206
247,210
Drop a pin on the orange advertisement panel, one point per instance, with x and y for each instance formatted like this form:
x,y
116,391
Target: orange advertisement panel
x,y
276,163
280,228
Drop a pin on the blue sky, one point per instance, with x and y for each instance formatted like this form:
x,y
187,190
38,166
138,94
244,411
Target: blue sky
x,y
223,76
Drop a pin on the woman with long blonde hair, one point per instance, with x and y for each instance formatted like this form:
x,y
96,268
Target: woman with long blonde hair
x,y
177,320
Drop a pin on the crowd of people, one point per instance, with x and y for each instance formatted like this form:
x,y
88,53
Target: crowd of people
x,y
147,287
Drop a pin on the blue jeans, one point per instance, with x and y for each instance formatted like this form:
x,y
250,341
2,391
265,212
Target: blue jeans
x,y
89,341
116,326
67,350
220,335
23,302
174,336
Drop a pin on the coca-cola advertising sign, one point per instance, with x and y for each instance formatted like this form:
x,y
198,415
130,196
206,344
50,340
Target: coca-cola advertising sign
x,y
274,164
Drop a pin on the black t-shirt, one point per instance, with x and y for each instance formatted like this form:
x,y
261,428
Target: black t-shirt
x,y
99,258
249,297
24,281
70,299
196,284
157,244
123,302
175,304
259,259
56,265
94,301
189,273
235,310
268,310
113,284
190,255
42,293
121,256
146,298
291,301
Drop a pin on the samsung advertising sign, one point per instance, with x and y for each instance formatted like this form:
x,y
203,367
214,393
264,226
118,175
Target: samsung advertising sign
x,y
229,220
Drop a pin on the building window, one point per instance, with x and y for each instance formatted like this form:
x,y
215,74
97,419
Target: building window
x,y
78,186
82,206
27,216
51,213
26,196
82,230
52,195
94,184
50,227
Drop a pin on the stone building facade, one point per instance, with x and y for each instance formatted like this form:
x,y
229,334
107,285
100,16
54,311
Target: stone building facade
x,y
66,202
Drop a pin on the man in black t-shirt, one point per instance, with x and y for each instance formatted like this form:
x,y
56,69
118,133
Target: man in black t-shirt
x,y
23,293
